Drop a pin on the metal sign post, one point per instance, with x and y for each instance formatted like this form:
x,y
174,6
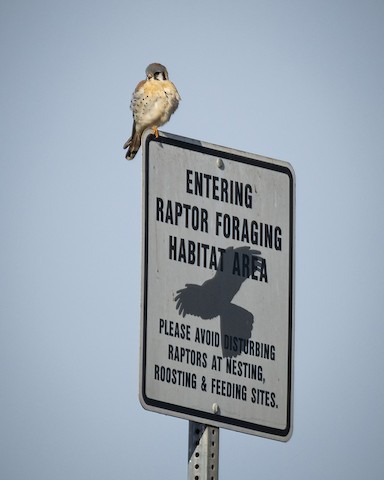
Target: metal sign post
x,y
203,452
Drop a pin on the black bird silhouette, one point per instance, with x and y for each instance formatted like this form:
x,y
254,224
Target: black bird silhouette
x,y
213,298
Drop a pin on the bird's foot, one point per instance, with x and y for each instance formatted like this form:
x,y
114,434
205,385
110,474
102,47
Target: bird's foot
x,y
155,131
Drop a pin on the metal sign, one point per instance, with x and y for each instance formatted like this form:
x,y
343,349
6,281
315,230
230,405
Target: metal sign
x,y
217,286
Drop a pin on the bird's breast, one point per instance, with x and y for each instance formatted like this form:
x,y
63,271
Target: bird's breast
x,y
154,102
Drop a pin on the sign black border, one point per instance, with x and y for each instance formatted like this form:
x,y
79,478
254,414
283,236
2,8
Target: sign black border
x,y
207,417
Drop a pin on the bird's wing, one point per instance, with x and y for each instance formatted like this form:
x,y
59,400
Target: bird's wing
x,y
133,142
137,95
196,300
172,95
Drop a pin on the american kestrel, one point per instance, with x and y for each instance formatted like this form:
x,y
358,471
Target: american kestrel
x,y
153,102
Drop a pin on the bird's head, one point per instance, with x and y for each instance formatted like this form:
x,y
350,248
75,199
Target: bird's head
x,y
156,71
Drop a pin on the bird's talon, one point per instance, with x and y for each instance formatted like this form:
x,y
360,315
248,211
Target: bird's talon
x,y
155,131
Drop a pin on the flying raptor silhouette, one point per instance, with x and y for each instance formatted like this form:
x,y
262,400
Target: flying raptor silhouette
x,y
213,298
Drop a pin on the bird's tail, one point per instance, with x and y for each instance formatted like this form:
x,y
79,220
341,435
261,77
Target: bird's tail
x,y
235,323
133,144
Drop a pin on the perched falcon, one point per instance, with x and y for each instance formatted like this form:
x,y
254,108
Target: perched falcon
x,y
153,102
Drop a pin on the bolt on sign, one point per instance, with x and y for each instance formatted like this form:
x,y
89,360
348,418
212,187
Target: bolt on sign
x,y
217,286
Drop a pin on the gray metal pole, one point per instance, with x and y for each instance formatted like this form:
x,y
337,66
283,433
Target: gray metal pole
x,y
203,452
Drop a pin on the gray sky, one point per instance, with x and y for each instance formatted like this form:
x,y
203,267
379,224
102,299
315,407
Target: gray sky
x,y
301,81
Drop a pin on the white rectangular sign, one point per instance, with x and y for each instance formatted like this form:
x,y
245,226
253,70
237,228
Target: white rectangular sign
x,y
218,286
